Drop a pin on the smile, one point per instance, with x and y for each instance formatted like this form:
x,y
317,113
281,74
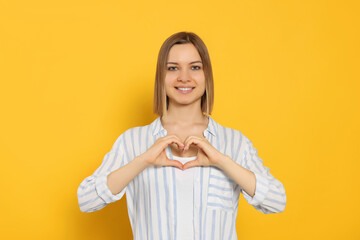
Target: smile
x,y
184,90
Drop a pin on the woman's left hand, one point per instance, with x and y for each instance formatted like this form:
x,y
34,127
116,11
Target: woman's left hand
x,y
207,154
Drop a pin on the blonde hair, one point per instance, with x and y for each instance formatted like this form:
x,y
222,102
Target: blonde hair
x,y
160,99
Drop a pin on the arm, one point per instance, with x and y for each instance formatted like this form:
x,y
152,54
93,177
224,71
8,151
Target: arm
x,y
242,176
109,182
259,187
269,195
93,193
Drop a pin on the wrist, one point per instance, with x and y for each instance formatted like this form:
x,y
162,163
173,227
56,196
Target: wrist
x,y
142,162
223,162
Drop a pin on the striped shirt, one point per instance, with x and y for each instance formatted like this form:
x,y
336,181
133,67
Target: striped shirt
x,y
152,195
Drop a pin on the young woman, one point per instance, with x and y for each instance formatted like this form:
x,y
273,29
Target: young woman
x,y
183,173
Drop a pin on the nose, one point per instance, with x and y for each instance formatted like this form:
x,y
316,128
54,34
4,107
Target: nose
x,y
184,76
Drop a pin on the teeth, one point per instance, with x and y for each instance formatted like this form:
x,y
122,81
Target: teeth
x,y
184,89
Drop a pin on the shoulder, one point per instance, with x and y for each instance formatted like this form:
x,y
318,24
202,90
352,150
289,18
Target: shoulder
x,y
232,135
133,134
225,132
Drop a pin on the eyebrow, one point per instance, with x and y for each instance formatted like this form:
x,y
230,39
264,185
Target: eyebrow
x,y
178,64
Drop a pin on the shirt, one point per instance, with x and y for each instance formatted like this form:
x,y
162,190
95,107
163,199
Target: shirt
x,y
185,183
152,195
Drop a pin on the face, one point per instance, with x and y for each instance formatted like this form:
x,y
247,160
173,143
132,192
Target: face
x,y
185,78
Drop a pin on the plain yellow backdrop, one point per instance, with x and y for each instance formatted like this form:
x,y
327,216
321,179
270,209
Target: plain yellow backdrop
x,y
76,74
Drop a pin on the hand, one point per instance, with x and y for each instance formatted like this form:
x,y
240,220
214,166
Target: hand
x,y
156,156
207,154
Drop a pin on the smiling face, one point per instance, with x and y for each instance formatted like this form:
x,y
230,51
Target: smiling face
x,y
185,78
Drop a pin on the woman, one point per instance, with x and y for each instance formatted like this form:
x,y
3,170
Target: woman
x,y
183,173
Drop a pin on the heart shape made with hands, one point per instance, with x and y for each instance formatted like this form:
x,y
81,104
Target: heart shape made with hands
x,y
206,153
181,151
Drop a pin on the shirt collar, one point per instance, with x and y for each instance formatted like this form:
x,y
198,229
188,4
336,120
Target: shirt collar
x,y
157,127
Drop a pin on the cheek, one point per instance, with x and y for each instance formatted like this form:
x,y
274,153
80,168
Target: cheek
x,y
201,83
167,81
200,78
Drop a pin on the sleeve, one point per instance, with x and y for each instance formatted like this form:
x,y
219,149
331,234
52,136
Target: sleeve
x,y
93,193
270,194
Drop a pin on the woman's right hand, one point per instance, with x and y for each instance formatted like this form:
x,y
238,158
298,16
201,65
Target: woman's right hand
x,y
156,156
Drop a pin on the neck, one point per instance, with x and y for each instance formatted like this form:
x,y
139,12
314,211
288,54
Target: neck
x,y
186,114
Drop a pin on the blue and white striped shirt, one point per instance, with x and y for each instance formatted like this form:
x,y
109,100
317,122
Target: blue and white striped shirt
x,y
152,197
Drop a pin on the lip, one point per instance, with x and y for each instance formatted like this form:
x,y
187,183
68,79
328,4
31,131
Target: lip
x,y
184,86
184,89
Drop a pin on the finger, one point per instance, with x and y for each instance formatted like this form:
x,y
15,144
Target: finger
x,y
194,141
177,140
174,163
166,142
190,164
173,136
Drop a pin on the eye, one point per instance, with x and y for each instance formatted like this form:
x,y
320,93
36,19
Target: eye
x,y
171,68
197,67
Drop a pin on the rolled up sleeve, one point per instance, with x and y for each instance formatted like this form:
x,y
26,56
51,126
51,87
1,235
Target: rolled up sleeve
x,y
104,192
93,193
269,194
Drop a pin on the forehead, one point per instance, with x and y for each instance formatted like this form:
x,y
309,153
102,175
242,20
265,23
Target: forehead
x,y
183,53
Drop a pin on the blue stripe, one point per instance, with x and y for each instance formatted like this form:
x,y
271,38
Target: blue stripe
x,y
219,196
261,183
232,225
225,145
166,187
175,204
149,192
138,178
130,191
90,190
107,157
221,178
88,184
253,156
213,225
224,226
277,193
238,151
158,201
157,125
201,192
219,205
221,188
174,196
132,194
261,192
245,160
205,224
275,201
131,216
136,181
89,201
126,149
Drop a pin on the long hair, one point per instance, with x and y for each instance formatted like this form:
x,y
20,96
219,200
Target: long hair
x,y
160,99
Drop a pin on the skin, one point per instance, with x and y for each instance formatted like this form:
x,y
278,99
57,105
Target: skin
x,y
185,125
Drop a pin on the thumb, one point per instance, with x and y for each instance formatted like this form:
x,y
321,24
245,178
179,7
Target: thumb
x,y
193,163
174,163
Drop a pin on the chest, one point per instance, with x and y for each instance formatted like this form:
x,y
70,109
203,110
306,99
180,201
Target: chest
x,y
183,135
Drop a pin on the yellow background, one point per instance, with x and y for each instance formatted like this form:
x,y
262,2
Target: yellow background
x,y
76,74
